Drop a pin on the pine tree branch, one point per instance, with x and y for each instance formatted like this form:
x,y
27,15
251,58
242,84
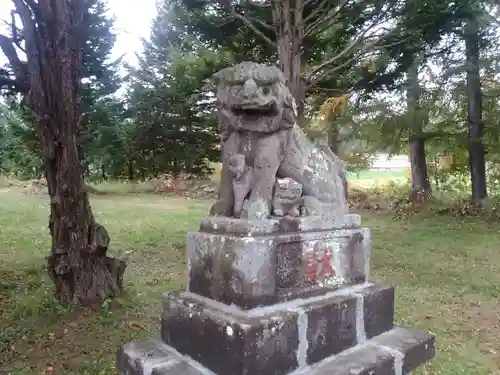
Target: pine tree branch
x,y
325,74
326,18
226,4
262,23
332,60
320,8
361,44
325,22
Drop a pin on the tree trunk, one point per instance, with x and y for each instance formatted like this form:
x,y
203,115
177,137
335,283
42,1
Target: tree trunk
x,y
104,175
333,139
130,171
474,109
419,171
421,187
288,15
78,264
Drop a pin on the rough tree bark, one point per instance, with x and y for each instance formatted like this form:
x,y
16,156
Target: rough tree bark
x,y
421,187
78,264
289,28
474,109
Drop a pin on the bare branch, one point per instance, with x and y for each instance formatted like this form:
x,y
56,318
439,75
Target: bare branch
x,y
324,20
320,8
321,76
23,10
331,61
18,67
360,43
16,34
257,4
226,4
326,89
315,77
39,12
34,63
313,29
262,23
34,6
404,40
363,51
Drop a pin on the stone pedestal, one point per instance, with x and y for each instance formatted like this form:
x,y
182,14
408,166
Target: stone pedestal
x,y
264,262
275,297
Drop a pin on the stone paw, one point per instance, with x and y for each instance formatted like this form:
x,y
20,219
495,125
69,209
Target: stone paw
x,y
220,208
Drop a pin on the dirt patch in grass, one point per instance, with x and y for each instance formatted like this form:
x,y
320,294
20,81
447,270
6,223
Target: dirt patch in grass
x,y
446,272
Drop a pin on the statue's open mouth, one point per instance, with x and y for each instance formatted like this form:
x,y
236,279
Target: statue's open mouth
x,y
252,110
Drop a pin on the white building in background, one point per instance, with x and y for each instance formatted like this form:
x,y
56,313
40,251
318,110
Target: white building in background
x,y
382,162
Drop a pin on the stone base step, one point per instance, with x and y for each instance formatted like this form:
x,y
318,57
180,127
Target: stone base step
x,y
395,352
275,339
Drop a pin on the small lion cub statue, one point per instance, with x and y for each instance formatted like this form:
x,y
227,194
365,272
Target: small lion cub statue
x,y
287,197
242,181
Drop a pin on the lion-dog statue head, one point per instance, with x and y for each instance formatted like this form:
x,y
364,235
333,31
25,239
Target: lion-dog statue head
x,y
253,97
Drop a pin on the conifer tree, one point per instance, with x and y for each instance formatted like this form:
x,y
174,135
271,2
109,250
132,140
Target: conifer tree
x,y
53,37
171,104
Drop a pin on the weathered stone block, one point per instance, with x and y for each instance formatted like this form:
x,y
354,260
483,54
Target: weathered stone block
x,y
144,357
287,334
409,347
331,326
182,368
229,269
395,352
361,360
257,270
276,225
230,342
378,309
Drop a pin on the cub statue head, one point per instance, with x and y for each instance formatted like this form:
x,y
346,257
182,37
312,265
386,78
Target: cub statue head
x,y
254,98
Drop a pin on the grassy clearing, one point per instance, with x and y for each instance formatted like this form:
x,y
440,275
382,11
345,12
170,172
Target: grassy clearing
x,y
363,179
124,187
368,179
377,175
447,274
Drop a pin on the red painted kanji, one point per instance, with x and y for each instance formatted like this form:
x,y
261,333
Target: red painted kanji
x,y
319,264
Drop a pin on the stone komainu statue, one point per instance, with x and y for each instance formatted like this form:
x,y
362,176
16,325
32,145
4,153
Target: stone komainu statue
x,y
257,119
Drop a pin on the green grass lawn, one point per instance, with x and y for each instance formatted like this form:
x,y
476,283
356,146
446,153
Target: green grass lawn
x,y
447,274
376,175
